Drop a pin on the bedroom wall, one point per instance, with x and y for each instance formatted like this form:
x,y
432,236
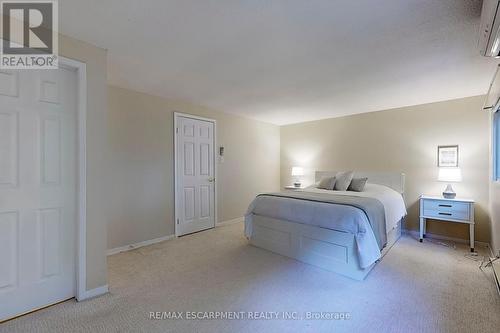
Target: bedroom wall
x,y
97,172
142,153
404,140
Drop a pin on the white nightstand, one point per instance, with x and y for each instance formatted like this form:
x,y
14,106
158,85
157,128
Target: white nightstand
x,y
293,188
451,210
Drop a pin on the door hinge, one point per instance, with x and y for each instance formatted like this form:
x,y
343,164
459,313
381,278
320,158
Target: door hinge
x,y
177,221
177,130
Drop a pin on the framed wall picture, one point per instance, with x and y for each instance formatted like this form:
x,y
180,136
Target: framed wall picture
x,y
448,156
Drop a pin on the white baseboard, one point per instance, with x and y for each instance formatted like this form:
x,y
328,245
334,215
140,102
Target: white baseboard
x,y
138,245
126,248
94,293
229,222
416,234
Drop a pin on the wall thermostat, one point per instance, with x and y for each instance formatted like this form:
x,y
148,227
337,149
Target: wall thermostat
x,y
221,154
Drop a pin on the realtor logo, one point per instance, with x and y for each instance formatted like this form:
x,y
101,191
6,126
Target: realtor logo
x,y
29,34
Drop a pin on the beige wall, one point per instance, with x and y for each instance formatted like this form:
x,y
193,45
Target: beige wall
x,y
403,140
97,153
141,206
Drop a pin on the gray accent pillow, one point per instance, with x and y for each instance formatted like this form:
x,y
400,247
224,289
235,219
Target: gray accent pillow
x,y
327,183
357,184
343,180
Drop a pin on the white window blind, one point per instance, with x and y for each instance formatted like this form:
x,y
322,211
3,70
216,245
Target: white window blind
x,y
492,103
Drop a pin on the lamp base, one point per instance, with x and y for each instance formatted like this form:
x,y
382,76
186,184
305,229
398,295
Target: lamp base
x,y
449,193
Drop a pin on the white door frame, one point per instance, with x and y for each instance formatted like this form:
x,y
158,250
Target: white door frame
x,y
81,236
177,115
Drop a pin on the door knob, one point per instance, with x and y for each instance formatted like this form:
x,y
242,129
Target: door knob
x,y
211,179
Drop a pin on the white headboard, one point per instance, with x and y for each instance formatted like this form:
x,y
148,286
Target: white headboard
x,y
394,180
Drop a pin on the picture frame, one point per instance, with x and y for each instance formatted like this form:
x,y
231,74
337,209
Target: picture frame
x,y
448,156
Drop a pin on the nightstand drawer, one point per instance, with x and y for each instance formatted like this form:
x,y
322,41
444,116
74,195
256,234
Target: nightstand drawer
x,y
446,209
443,214
446,206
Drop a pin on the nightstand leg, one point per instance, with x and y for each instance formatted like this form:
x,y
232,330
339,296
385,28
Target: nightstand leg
x,y
471,231
422,222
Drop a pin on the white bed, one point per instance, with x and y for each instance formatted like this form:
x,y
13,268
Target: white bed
x,y
346,246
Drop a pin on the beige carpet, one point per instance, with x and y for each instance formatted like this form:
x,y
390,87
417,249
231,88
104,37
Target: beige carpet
x,y
416,288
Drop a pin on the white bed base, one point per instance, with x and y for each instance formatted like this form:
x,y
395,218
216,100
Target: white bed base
x,y
329,249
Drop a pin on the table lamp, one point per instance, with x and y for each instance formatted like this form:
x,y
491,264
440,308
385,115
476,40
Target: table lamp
x,y
297,172
449,175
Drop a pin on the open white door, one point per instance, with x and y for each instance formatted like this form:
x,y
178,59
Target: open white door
x,y
194,174
38,188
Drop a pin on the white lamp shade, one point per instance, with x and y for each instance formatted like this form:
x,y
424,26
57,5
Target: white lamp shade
x,y
450,175
297,171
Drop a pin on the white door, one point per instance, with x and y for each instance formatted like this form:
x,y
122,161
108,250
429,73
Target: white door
x,y
195,175
38,183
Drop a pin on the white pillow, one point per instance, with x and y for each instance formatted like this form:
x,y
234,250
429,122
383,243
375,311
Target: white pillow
x,y
327,183
357,184
343,180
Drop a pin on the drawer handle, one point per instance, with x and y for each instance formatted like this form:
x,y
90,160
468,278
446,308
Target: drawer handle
x,y
449,206
447,214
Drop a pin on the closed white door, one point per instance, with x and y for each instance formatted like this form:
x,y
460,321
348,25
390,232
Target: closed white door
x,y
195,175
38,183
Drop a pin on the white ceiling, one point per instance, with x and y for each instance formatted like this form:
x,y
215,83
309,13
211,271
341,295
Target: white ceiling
x,y
287,61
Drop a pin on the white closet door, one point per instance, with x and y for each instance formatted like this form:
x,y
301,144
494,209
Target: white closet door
x,y
195,175
38,184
